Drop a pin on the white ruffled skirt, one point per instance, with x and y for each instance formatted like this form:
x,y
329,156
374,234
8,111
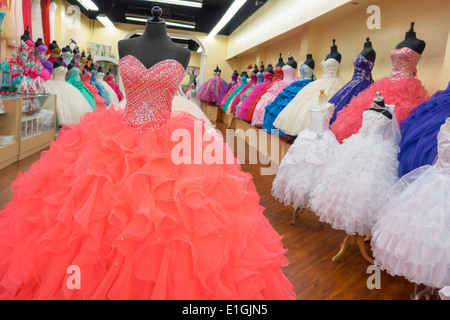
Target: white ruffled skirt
x,y
412,235
302,167
355,184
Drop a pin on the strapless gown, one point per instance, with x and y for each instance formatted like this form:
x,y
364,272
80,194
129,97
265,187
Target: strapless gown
x,y
135,209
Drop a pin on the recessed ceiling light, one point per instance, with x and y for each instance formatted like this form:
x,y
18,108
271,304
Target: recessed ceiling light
x,y
194,4
88,5
237,4
105,21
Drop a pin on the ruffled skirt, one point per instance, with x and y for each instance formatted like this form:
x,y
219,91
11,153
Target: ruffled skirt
x,y
411,237
355,184
113,202
302,167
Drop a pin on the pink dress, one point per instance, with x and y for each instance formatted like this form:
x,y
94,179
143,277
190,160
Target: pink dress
x,y
109,79
112,199
402,89
237,99
86,79
271,94
268,77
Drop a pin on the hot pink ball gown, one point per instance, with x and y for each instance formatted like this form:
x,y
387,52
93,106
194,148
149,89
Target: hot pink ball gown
x,y
401,89
109,198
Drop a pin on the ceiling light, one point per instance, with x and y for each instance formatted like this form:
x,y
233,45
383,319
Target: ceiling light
x,y
179,38
105,21
237,4
88,5
194,4
172,23
199,50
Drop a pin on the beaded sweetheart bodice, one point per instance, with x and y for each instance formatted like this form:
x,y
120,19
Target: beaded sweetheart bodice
x,y
149,92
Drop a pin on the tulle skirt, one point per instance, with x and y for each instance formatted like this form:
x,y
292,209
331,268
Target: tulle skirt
x,y
295,117
405,94
355,183
282,100
420,130
411,236
302,167
248,102
111,201
71,105
267,99
211,89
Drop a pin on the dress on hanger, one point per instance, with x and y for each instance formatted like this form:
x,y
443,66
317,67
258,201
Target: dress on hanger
x,y
303,164
108,198
46,21
401,89
52,16
271,94
361,80
420,130
211,89
26,14
109,79
86,79
17,18
248,102
9,32
226,89
73,77
357,178
288,94
411,235
295,117
36,19
71,105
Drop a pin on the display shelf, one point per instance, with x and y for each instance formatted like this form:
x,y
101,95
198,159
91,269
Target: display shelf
x,y
33,132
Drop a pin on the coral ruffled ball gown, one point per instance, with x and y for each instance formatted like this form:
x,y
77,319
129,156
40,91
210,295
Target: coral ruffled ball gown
x,y
401,89
116,197
86,79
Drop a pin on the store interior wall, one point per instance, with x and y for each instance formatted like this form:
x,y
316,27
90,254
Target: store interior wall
x,y
301,27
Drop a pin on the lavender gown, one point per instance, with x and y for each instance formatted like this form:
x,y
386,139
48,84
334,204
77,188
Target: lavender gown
x,y
420,130
362,79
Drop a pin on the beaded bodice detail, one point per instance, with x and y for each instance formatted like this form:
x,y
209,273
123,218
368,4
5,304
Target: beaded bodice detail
x,y
374,124
86,77
443,162
74,75
306,72
59,73
216,75
363,68
331,69
404,63
149,92
289,73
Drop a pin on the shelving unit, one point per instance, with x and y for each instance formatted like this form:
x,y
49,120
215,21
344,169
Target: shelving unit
x,y
33,132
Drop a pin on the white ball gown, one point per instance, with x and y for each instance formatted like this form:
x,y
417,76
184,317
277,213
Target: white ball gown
x,y
303,163
412,235
71,105
356,181
294,118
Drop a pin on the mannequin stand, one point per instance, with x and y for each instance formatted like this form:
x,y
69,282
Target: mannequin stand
x,y
358,240
425,294
304,211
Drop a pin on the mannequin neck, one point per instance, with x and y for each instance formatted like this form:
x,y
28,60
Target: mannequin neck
x,y
156,31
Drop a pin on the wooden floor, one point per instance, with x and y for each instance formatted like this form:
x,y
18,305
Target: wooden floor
x,y
310,248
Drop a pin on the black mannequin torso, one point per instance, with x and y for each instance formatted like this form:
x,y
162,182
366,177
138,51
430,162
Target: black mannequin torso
x,y
280,62
291,62
236,73
58,63
310,61
380,106
255,69
261,69
217,70
244,74
368,51
334,53
269,68
154,45
412,42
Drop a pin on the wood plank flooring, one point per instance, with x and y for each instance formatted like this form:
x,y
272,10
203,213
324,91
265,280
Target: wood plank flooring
x,y
310,248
